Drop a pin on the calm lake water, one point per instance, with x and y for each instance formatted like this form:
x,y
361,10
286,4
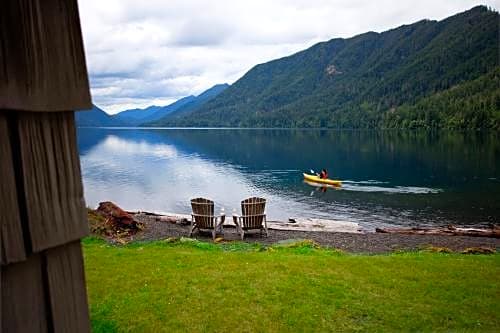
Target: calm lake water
x,y
389,177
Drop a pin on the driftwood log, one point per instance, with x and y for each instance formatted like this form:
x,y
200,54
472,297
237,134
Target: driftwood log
x,y
117,217
450,230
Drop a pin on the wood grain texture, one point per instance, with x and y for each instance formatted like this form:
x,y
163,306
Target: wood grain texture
x,y
23,304
42,210
11,238
52,179
42,61
66,284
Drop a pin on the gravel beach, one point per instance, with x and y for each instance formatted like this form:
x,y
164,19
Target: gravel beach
x,y
350,242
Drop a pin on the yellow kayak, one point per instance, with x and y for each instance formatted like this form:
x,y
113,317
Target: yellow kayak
x,y
316,179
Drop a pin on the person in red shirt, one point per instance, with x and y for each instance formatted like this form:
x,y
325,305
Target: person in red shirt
x,y
323,174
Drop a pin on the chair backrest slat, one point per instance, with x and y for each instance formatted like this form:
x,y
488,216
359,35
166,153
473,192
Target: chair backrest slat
x,y
252,210
203,211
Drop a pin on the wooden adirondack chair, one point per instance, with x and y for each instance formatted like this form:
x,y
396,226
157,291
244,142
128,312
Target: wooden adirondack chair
x,y
253,216
203,217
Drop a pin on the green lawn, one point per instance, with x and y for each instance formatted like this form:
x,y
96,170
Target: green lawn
x,y
200,287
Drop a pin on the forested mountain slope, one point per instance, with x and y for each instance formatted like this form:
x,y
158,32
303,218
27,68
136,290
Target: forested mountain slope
x,y
426,74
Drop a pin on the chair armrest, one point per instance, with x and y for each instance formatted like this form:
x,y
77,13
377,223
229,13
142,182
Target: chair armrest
x,y
236,217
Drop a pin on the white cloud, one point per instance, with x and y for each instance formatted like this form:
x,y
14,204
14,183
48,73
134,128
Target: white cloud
x,y
153,52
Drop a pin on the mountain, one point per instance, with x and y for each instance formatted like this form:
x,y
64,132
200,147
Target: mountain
x,y
150,116
155,115
191,106
427,74
95,117
136,117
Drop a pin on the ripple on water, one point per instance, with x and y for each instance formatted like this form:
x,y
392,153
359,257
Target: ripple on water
x,y
361,187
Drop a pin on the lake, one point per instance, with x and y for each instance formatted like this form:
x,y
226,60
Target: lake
x,y
390,178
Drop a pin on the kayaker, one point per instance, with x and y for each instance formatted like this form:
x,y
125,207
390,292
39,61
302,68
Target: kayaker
x,y
323,174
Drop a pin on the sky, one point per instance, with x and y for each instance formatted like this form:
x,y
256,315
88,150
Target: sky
x,y
153,52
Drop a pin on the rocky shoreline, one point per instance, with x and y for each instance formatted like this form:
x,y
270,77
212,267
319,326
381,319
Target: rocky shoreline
x,y
161,227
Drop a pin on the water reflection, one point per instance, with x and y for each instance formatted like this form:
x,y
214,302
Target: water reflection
x,y
158,177
402,178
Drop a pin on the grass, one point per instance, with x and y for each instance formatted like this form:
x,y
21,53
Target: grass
x,y
202,287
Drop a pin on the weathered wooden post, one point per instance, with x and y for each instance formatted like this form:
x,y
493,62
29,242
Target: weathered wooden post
x,y
43,78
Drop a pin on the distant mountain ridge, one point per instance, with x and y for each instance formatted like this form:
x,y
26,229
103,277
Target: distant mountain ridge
x,y
191,106
150,116
96,117
155,115
136,117
413,76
